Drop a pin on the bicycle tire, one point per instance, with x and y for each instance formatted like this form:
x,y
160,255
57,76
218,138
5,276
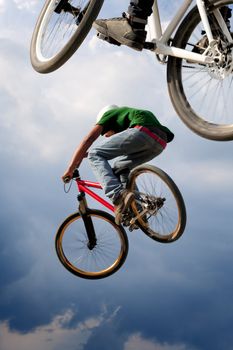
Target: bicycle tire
x,y
64,25
73,252
168,223
199,92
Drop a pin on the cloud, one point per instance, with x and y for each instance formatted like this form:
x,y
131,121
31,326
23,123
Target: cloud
x,y
63,333
137,342
53,336
25,5
2,5
43,118
200,175
14,6
58,334
50,115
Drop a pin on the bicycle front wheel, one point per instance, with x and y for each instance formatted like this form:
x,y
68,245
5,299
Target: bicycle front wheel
x,y
60,30
158,205
75,253
201,94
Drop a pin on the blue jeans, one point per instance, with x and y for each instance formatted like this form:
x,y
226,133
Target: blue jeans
x,y
140,8
133,147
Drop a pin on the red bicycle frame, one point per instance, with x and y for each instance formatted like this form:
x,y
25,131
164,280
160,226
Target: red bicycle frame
x,y
83,187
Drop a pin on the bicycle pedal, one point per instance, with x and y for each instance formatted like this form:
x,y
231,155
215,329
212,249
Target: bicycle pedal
x,y
108,39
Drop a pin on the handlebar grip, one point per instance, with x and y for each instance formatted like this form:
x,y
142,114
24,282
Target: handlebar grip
x,y
67,180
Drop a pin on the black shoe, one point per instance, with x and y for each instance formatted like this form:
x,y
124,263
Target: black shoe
x,y
122,32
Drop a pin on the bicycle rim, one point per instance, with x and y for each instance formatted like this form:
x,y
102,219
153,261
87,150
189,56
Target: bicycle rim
x,y
167,223
105,259
56,30
202,94
60,30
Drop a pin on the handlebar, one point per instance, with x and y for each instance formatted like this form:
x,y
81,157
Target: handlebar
x,y
66,180
75,175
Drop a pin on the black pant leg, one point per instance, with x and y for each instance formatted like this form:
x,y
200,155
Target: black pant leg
x,y
140,8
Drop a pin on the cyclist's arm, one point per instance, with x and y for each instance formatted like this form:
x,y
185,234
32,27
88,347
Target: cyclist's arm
x,y
82,149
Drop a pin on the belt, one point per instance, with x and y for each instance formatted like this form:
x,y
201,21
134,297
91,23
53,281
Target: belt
x,y
162,142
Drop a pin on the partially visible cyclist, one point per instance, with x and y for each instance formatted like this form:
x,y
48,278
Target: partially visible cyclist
x,y
135,136
130,28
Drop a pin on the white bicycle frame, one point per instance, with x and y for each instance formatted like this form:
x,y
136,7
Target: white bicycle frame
x,y
161,39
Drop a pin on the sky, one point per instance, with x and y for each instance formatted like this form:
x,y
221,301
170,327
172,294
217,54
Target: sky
x,y
165,297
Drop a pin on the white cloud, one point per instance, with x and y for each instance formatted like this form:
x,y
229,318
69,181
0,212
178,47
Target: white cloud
x,y
45,117
206,176
25,5
2,6
49,114
137,342
52,336
50,111
56,335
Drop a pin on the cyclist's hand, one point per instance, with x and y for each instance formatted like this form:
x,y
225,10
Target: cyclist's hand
x,y
66,180
67,176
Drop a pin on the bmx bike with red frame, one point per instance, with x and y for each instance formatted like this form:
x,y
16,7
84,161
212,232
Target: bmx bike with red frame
x,y
91,245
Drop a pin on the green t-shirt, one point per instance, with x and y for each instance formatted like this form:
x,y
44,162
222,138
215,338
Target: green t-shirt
x,y
120,119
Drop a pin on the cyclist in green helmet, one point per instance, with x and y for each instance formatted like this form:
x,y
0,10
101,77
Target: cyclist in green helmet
x,y
135,136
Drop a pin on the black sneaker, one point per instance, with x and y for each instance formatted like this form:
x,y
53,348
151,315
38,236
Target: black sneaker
x,y
122,32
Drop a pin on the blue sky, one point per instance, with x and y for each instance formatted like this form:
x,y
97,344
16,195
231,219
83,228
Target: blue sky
x,y
165,297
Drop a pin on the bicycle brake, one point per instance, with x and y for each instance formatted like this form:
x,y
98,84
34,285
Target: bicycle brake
x,y
108,39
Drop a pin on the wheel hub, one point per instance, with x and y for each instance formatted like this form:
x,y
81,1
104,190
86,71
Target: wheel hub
x,y
223,62
153,203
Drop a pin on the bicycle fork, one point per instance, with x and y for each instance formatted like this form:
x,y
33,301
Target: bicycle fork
x,y
90,230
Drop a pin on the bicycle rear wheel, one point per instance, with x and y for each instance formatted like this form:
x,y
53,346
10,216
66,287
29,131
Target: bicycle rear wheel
x,y
158,205
60,30
202,95
104,259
